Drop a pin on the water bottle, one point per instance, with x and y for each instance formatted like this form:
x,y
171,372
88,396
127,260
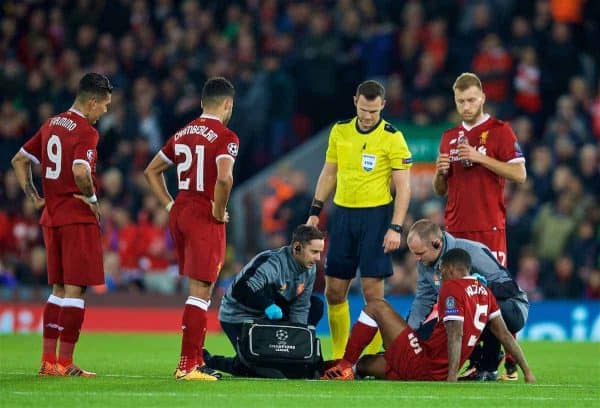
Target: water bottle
x,y
462,139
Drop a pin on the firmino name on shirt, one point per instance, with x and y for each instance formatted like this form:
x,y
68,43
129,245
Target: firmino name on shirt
x,y
476,290
64,122
201,130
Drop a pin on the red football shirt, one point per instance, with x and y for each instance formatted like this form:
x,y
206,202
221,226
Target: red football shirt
x,y
194,150
459,299
63,140
476,194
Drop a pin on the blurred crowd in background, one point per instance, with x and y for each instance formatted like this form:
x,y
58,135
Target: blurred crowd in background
x,y
295,65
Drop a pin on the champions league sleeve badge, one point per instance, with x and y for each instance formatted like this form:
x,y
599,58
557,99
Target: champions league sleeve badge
x,y
232,149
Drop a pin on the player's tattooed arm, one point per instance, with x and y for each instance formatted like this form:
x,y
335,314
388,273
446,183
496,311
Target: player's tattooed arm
x,y
83,180
454,331
22,167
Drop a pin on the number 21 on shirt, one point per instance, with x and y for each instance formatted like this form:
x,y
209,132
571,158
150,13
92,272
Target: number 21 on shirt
x,y
184,167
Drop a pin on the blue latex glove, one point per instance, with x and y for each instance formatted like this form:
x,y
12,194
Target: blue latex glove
x,y
273,312
480,278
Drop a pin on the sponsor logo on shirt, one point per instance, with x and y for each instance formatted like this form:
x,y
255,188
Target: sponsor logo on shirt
x,y
482,150
90,155
408,160
452,141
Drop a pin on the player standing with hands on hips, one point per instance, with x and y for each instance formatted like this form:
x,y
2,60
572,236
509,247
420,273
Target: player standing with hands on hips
x,y
476,157
364,154
204,152
65,147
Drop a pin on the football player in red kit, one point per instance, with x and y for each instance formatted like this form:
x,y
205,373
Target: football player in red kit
x,y
465,308
65,147
476,157
204,152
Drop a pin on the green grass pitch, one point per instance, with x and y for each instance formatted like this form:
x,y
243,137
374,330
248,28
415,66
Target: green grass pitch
x,y
135,371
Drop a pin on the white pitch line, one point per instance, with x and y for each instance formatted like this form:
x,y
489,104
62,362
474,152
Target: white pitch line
x,y
300,396
408,383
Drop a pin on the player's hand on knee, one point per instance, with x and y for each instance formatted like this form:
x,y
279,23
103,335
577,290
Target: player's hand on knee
x,y
274,312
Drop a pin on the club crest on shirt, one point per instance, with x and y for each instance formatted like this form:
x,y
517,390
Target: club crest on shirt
x,y
300,289
368,161
90,155
483,138
232,149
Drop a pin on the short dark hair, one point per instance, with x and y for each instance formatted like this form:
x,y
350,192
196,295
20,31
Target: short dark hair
x,y
370,90
94,85
457,257
215,90
305,233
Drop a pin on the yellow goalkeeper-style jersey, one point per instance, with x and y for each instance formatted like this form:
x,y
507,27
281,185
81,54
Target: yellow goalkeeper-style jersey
x,y
365,161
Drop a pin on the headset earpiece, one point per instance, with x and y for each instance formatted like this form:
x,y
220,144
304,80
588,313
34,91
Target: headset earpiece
x,y
435,244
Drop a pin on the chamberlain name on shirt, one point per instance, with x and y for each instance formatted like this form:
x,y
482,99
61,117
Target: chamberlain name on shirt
x,y
201,130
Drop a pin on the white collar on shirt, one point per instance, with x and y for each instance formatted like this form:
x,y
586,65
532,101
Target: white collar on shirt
x,y
209,116
468,128
77,112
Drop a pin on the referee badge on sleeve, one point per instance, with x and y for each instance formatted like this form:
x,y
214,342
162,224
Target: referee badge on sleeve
x,y
368,161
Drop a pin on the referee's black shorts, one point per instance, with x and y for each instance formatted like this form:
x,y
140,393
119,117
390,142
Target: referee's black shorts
x,y
355,242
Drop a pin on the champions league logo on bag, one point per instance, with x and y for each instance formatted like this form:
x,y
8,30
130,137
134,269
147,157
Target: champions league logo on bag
x,y
281,335
282,345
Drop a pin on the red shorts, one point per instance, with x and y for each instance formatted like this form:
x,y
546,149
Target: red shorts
x,y
494,240
74,254
199,240
406,359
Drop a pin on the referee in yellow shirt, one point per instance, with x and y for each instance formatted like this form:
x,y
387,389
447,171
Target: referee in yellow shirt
x,y
363,155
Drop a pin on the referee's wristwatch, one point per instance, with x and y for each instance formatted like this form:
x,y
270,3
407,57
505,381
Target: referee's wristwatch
x,y
396,228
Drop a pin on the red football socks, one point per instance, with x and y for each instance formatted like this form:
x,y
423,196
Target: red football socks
x,y
193,326
70,319
51,328
361,335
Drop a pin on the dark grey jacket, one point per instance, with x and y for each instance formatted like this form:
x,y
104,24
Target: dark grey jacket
x,y
483,263
273,276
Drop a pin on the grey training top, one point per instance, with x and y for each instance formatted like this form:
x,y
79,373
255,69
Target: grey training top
x,y
273,276
483,262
